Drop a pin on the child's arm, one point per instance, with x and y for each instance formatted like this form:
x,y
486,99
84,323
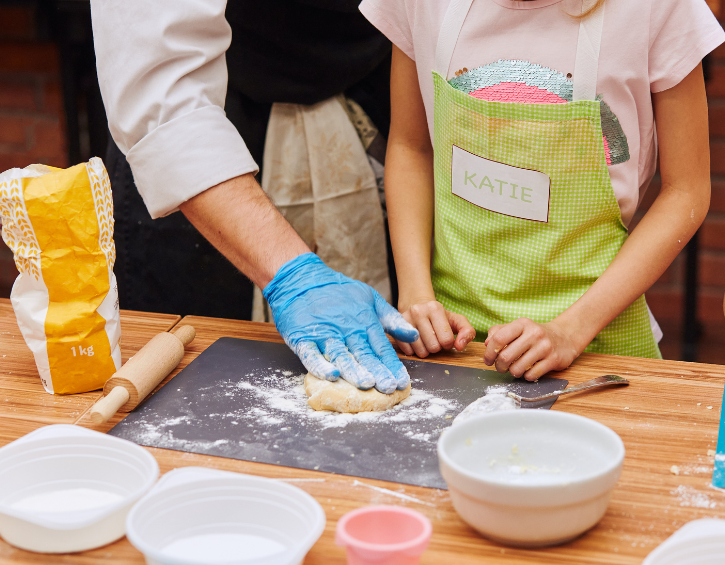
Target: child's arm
x,y
534,349
409,198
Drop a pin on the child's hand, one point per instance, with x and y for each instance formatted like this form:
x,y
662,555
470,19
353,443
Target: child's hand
x,y
525,348
437,327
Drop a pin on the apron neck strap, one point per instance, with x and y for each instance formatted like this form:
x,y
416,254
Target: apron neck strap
x,y
448,37
587,52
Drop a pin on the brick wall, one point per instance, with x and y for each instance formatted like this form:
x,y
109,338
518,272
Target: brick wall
x,y
712,266
31,112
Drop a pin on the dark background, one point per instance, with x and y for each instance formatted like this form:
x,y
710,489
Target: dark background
x,y
51,112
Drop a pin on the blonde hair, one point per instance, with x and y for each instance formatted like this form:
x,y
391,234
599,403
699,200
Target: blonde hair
x,y
585,13
588,12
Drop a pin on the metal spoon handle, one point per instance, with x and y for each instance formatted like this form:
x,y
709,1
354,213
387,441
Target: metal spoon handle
x,y
594,383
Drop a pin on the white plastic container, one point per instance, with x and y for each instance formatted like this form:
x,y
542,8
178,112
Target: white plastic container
x,y
530,478
198,516
700,542
64,488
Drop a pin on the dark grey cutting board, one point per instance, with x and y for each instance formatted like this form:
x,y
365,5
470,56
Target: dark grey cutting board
x,y
244,400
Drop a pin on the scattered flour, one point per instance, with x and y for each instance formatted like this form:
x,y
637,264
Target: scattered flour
x,y
419,436
280,395
703,466
399,495
516,464
288,395
690,496
495,400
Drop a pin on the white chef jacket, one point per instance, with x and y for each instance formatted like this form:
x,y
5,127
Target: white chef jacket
x,y
163,77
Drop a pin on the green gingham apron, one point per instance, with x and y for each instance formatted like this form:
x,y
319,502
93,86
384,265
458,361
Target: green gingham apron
x,y
532,258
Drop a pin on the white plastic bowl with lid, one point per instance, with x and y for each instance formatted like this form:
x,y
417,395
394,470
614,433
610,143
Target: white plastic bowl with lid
x,y
199,516
64,488
530,478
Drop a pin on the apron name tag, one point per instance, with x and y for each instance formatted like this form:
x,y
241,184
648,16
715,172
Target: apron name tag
x,y
513,191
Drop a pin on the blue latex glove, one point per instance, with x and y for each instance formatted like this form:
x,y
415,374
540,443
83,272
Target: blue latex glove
x,y
322,314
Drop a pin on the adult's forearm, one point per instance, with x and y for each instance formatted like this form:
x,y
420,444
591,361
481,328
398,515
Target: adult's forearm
x,y
238,218
163,78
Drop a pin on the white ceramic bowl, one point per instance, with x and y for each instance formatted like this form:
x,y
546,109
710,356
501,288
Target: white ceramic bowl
x,y
530,478
65,488
198,516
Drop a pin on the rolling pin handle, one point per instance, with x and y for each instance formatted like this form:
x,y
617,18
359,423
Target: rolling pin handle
x,y
107,406
186,334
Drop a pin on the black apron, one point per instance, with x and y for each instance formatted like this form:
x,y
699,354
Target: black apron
x,y
296,51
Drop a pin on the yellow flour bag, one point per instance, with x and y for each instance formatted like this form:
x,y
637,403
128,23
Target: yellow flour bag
x,y
59,225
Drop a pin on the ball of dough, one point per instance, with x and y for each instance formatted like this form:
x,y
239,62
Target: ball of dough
x,y
341,396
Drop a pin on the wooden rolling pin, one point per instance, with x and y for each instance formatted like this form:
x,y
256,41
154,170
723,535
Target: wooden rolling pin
x,y
142,373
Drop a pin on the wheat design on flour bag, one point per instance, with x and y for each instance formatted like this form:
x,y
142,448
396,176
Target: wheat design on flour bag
x,y
59,225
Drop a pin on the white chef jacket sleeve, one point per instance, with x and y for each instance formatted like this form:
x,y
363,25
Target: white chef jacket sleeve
x,y
163,77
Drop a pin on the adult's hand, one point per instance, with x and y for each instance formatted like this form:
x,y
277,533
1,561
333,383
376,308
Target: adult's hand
x,y
317,310
336,325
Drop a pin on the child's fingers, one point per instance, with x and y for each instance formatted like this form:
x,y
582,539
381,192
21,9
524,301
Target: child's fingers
x,y
420,349
540,369
533,337
462,340
406,348
430,319
503,337
492,330
464,330
537,352
443,331
513,352
427,335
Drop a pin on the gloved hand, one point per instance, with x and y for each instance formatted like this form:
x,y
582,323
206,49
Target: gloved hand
x,y
322,313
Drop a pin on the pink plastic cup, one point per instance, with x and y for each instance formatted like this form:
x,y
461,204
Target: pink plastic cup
x,y
383,535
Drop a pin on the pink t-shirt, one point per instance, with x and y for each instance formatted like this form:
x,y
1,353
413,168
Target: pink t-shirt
x,y
514,50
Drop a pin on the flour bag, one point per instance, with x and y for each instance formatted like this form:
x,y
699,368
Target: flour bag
x,y
59,225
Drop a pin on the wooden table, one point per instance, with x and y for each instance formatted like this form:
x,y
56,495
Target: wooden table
x,y
24,405
663,418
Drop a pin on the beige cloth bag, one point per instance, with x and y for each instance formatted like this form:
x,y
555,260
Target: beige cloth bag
x,y
317,173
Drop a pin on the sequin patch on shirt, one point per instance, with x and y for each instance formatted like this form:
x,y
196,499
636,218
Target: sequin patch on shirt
x,y
529,83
